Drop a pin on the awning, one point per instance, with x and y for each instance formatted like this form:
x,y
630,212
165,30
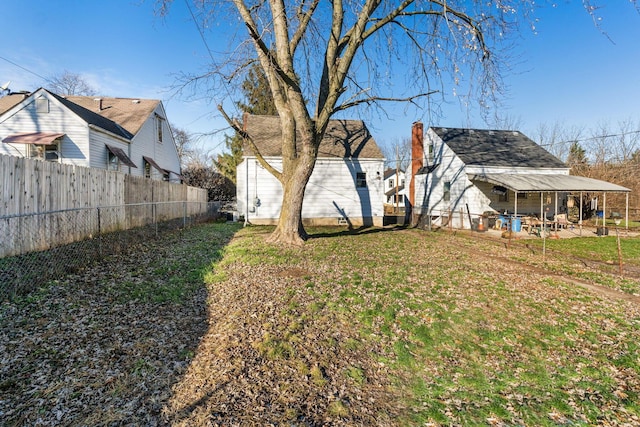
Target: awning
x,y
120,154
154,164
529,183
41,138
176,174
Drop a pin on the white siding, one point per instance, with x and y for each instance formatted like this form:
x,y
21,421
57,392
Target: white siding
x,y
467,197
464,197
331,192
23,118
390,183
146,143
99,152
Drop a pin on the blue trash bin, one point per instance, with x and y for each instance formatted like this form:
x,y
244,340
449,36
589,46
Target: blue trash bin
x,y
516,224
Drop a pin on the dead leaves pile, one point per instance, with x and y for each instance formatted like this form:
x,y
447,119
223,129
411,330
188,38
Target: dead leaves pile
x,y
282,343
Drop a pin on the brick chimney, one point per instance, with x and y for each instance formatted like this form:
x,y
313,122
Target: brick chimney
x,y
417,157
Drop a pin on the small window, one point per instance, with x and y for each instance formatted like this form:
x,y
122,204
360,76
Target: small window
x,y
113,163
402,183
165,176
391,183
522,195
147,169
504,197
361,180
42,105
430,152
47,152
160,127
446,195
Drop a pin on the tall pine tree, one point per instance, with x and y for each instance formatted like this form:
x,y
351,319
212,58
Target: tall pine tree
x,y
258,101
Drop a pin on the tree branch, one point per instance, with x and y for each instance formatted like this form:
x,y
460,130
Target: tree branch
x,y
247,138
304,18
373,99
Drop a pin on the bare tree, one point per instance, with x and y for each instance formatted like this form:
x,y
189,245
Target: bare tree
x,y
557,139
184,145
68,83
397,153
322,58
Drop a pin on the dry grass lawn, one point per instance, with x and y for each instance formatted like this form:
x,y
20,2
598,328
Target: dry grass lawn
x,y
213,327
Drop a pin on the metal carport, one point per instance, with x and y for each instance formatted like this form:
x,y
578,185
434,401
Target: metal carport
x,y
553,183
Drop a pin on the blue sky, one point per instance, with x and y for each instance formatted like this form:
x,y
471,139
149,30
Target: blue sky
x,y
566,72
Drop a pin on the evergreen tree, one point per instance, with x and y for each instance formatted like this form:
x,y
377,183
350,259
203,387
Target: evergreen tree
x,y
577,158
258,101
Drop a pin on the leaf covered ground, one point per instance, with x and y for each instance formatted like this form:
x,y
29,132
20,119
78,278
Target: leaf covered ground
x,y
379,327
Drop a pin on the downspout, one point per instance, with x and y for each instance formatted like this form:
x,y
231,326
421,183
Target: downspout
x,y
246,207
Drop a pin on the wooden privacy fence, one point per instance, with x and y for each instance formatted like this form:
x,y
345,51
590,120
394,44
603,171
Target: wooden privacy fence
x,y
56,204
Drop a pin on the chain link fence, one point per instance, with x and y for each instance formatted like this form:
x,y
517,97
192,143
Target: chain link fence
x,y
35,248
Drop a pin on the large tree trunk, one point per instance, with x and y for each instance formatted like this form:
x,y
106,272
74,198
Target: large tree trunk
x,y
290,229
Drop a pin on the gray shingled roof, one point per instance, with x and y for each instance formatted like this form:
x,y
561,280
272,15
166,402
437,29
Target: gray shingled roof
x,y
343,139
500,148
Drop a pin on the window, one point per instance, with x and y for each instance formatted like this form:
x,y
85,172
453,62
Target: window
x,y
165,176
48,152
147,169
391,183
361,180
446,195
503,197
402,183
430,152
42,105
160,127
113,163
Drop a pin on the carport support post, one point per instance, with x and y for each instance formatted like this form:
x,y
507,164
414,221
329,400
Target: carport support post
x,y
555,210
604,211
626,214
541,205
580,221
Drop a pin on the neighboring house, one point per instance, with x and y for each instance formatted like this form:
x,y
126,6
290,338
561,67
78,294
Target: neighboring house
x,y
346,186
394,187
128,135
462,173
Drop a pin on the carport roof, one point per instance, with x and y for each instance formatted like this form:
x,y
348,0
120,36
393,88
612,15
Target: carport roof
x,y
547,182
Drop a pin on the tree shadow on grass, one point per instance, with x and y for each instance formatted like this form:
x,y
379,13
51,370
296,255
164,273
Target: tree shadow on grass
x,y
108,345
355,231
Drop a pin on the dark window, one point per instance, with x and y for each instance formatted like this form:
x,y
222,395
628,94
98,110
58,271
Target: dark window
x,y
113,163
160,127
446,195
147,169
361,180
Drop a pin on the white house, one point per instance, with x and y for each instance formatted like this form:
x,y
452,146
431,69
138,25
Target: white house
x,y
128,135
459,174
346,186
394,187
